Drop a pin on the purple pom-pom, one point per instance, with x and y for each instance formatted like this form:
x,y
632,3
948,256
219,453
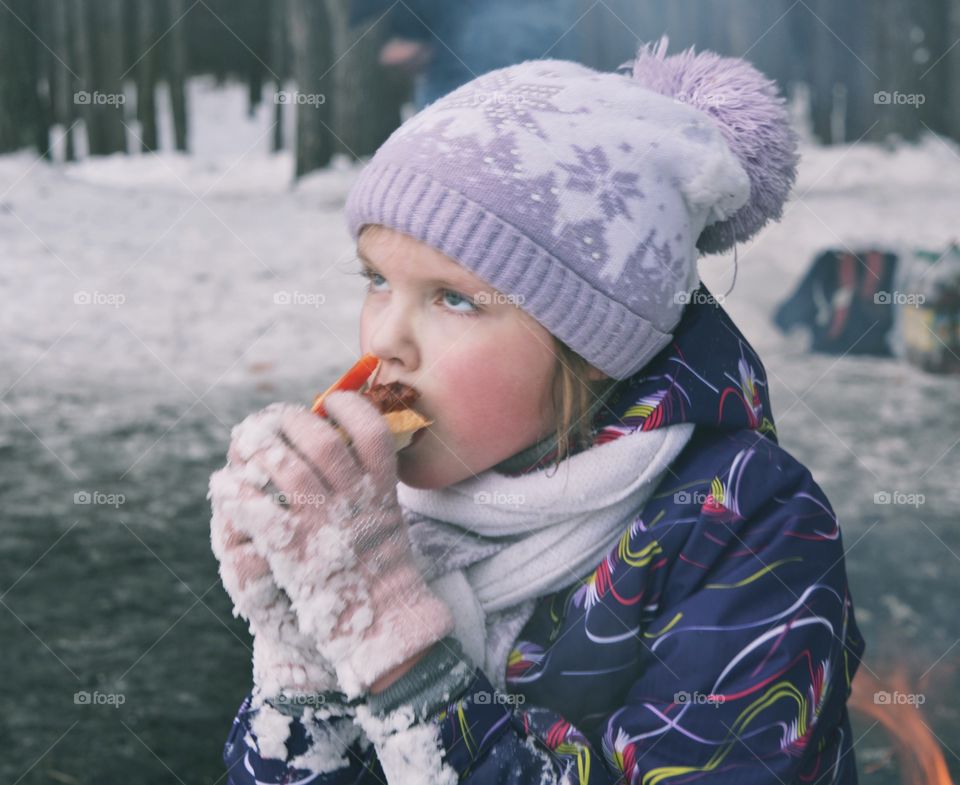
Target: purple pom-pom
x,y
753,119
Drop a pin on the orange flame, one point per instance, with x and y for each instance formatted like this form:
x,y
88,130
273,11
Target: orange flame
x,y
892,703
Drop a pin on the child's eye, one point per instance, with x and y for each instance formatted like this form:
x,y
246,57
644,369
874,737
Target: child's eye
x,y
374,280
456,301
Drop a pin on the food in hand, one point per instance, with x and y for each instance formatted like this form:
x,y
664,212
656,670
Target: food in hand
x,y
394,400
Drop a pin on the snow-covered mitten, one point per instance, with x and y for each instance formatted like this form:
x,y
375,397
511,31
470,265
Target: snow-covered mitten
x,y
288,671
340,547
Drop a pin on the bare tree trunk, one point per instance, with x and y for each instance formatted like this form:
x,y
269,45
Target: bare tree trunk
x,y
278,48
366,109
344,137
651,22
939,74
819,19
254,89
80,29
308,26
896,94
105,129
147,75
589,32
387,92
61,78
40,74
608,33
855,80
952,68
12,84
256,14
177,72
680,22
738,26
24,118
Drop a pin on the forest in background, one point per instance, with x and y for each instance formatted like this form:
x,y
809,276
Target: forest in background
x,y
97,68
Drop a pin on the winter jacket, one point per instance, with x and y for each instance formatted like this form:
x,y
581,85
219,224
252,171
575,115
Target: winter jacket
x,y
715,643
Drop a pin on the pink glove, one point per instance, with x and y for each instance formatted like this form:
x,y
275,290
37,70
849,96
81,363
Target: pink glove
x,y
286,664
341,549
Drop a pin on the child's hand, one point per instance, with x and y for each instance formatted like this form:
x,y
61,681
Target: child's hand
x,y
341,549
285,662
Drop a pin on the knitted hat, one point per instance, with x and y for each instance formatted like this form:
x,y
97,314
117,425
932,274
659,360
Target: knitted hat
x,y
586,196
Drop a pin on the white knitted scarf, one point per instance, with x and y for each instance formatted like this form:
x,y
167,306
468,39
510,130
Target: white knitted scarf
x,y
491,545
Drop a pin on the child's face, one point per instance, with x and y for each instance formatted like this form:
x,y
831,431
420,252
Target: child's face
x,y
483,367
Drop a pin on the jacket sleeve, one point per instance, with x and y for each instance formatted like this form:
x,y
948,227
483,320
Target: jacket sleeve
x,y
478,738
333,749
483,737
752,645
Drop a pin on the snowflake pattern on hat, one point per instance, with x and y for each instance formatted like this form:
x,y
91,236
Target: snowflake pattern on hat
x,y
594,175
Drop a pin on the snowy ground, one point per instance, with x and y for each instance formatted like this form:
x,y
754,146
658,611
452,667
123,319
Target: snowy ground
x,y
141,319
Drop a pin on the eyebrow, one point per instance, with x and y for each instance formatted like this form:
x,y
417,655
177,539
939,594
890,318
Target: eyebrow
x,y
463,284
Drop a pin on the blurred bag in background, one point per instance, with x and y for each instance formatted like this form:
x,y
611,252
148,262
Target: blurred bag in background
x,y
878,302
838,300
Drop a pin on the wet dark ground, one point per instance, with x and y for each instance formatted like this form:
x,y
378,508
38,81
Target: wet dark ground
x,y
121,599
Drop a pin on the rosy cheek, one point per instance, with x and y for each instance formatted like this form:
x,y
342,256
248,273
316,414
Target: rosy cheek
x,y
471,379
488,407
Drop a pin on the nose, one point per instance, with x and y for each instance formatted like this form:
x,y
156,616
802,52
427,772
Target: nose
x,y
391,336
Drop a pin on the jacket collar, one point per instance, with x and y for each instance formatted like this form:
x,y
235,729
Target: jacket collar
x,y
708,375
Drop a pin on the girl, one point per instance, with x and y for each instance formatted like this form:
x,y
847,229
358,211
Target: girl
x,y
597,565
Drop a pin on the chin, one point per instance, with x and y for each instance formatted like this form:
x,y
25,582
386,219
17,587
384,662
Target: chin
x,y
418,476
416,469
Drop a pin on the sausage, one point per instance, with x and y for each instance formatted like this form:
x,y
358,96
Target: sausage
x,y
392,397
